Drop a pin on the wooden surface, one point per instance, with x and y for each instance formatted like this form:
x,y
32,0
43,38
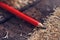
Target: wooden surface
x,y
18,29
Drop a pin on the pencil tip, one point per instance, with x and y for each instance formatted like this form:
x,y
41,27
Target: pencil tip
x,y
41,26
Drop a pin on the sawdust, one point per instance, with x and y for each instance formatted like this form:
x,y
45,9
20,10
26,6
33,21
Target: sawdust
x,y
53,28
18,3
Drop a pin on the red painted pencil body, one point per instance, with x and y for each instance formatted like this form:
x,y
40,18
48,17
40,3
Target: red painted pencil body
x,y
19,14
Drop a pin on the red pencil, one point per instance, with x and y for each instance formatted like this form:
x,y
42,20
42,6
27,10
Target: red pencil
x,y
21,15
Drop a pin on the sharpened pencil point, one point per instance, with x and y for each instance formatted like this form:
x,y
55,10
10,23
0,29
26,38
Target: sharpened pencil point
x,y
41,25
